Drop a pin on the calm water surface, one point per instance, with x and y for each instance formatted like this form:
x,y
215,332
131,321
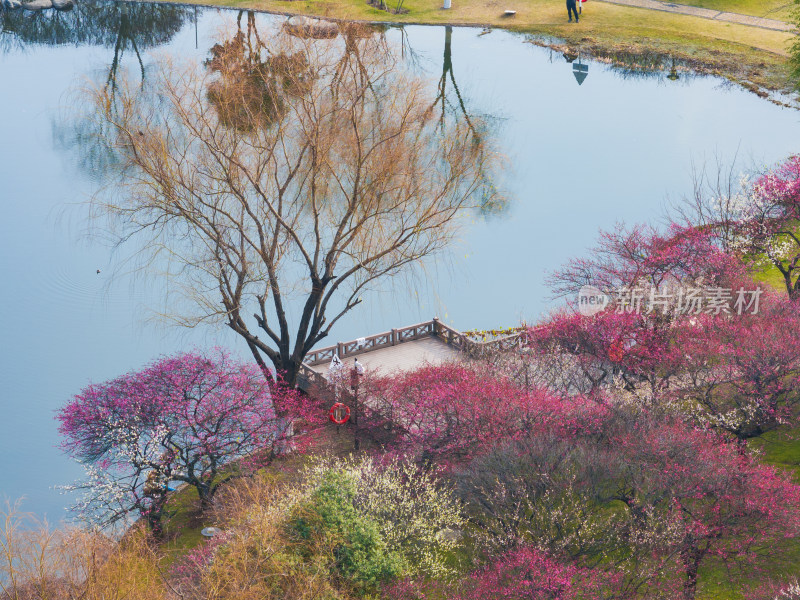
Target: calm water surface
x,y
582,158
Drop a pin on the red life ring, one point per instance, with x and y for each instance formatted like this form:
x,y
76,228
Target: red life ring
x,y
336,415
616,351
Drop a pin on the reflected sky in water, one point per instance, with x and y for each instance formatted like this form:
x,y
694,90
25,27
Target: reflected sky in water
x,y
581,157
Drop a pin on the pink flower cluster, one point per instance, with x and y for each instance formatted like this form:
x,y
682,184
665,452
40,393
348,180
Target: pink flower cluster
x,y
454,412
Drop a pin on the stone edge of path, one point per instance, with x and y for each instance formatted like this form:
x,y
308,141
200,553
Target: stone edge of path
x,y
706,13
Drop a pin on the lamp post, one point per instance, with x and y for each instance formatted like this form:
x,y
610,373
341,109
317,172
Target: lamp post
x,y
355,375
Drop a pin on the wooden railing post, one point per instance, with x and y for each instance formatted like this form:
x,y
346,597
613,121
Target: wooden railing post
x,y
436,327
340,349
394,337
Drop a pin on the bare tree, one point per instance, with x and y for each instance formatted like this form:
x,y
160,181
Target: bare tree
x,y
717,186
447,70
282,186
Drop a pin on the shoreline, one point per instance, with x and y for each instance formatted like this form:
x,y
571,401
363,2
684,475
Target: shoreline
x,y
753,58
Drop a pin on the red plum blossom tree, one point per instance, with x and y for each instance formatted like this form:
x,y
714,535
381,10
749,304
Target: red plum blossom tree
x,y
530,574
640,491
452,412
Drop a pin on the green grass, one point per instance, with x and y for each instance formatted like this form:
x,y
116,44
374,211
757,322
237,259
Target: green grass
x,y
182,528
780,448
770,276
781,10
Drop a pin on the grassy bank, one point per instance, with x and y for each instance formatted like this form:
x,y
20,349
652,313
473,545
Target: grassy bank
x,y
771,9
753,57
780,448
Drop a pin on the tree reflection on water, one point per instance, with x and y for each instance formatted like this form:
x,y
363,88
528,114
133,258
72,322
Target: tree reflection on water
x,y
95,23
235,62
122,26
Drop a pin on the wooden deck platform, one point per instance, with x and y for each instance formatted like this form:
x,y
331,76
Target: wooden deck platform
x,y
402,357
403,349
398,350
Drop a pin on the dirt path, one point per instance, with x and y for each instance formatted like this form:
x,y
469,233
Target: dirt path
x,y
705,13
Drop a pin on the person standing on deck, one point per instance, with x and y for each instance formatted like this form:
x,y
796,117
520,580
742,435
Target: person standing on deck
x,y
572,9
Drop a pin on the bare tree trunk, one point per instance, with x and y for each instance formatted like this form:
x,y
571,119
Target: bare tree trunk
x,y
691,557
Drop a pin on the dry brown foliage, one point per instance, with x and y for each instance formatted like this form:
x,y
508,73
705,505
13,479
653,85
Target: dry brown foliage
x,y
259,559
255,558
38,562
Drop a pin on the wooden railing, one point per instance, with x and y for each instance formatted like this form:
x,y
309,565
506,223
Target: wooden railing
x,y
368,344
394,337
476,349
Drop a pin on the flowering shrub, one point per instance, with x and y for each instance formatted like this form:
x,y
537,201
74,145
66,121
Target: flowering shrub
x,y
525,573
416,513
329,513
789,592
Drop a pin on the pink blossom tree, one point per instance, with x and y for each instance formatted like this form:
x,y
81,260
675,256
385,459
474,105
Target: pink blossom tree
x,y
452,412
755,217
626,349
639,490
645,256
201,419
527,573
764,219
713,502
524,573
739,373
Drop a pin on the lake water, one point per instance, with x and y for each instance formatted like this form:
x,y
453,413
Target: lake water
x,y
583,157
